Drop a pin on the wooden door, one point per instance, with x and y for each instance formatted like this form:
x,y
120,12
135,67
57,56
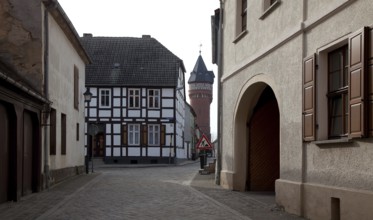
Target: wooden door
x,y
28,141
99,145
4,154
263,150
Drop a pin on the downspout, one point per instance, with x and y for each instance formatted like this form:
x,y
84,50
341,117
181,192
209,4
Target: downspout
x,y
46,94
220,109
304,147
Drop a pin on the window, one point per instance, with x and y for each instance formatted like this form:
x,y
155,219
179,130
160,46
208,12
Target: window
x,y
105,98
268,3
53,130
153,134
134,98
268,6
77,131
338,92
134,134
243,15
153,98
76,87
63,134
337,103
241,20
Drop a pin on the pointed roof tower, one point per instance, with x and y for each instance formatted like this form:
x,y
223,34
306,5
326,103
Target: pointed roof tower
x,y
200,74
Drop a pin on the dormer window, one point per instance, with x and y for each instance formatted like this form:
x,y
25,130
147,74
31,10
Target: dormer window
x,y
116,65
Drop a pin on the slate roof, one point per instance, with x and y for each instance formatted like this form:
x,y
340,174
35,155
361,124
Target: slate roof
x,y
200,74
129,61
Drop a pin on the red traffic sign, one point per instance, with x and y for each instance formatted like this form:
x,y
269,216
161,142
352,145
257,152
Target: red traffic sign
x,y
204,143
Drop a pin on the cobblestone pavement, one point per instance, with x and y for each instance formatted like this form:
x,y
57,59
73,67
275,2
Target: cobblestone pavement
x,y
169,192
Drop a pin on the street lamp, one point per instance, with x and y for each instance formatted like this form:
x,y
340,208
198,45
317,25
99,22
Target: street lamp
x,y
87,98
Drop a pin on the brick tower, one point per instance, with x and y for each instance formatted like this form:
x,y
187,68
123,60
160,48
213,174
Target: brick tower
x,y
200,94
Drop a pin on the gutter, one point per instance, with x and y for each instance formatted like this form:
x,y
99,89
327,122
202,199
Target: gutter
x,y
22,87
46,110
220,97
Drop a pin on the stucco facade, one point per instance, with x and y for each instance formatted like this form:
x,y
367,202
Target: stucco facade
x,y
64,60
42,66
316,177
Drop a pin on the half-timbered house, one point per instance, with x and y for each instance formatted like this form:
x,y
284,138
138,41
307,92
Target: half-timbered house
x,y
136,114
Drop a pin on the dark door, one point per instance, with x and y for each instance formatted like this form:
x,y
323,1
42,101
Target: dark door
x,y
28,141
99,145
4,154
263,150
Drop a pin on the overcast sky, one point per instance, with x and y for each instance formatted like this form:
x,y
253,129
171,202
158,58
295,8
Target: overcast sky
x,y
180,25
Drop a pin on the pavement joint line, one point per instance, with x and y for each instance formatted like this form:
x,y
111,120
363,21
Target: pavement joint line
x,y
69,197
219,204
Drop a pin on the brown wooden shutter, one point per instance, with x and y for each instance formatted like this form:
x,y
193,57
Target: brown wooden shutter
x,y
309,101
144,135
124,135
76,88
163,135
356,87
370,82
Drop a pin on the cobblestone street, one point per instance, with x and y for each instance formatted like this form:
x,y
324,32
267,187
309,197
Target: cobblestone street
x,y
170,192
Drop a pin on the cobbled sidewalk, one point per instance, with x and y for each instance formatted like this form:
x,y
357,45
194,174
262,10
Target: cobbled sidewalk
x,y
164,192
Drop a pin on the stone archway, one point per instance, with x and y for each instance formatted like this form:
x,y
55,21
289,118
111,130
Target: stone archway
x,y
257,101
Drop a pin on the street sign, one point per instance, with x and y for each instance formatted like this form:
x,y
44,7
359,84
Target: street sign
x,y
204,143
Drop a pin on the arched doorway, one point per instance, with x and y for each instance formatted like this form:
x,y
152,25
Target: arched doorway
x,y
263,160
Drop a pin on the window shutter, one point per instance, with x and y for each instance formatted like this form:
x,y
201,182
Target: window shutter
x,y
309,106
76,88
356,88
163,135
144,135
370,81
124,135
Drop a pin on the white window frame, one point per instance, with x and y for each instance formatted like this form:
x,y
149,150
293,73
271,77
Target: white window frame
x,y
134,134
154,100
134,96
105,105
154,134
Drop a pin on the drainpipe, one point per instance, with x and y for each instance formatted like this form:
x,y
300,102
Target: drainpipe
x,y
304,146
46,109
220,109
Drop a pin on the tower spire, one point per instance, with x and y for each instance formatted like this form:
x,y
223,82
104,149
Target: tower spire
x,y
200,46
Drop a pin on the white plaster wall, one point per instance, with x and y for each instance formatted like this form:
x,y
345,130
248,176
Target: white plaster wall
x,y
341,165
272,53
62,58
167,103
265,33
167,92
246,63
153,151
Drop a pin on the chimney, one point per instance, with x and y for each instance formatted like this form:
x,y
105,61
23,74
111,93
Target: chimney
x,y
146,36
87,35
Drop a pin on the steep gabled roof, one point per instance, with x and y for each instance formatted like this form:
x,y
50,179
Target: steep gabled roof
x,y
128,61
200,74
67,27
